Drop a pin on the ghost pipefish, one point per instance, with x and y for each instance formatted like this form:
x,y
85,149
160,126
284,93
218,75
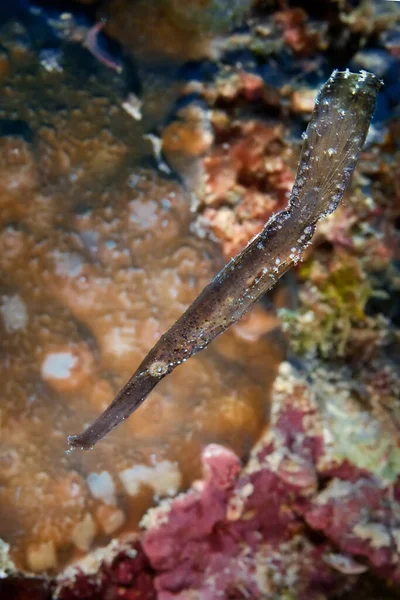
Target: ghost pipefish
x,y
332,145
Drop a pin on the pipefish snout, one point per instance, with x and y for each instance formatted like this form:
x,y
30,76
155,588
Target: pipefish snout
x,y
332,145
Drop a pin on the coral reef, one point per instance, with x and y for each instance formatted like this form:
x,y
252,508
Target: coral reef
x,y
172,29
253,537
252,532
112,184
97,259
332,145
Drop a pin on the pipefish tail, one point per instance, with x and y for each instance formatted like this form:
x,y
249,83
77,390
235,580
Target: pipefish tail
x,y
332,145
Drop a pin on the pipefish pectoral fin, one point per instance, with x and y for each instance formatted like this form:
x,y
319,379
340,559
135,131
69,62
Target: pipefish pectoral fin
x,y
332,146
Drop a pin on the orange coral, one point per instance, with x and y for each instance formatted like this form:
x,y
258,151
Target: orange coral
x,y
96,260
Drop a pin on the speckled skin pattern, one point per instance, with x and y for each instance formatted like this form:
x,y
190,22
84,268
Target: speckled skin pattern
x,y
332,145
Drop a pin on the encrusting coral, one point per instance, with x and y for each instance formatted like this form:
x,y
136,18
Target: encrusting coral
x,y
244,532
117,166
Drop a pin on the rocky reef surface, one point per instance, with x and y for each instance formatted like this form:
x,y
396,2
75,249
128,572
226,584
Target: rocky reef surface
x,y
136,156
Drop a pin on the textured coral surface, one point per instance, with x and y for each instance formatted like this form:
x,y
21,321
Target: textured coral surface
x,y
128,174
297,521
97,260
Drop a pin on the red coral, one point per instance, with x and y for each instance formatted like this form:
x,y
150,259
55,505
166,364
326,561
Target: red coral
x,y
127,577
246,180
359,518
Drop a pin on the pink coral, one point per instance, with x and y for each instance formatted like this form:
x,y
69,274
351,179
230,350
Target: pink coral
x,y
231,538
298,518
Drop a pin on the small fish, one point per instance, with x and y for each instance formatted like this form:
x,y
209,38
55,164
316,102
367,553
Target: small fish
x,y
332,145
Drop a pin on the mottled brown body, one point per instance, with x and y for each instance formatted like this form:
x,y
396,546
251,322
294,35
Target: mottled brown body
x,y
332,145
